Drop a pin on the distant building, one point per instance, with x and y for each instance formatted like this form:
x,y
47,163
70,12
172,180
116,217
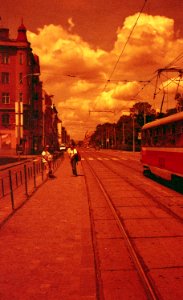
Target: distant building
x,y
65,136
20,93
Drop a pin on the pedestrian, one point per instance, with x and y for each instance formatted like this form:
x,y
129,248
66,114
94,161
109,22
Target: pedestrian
x,y
74,157
47,159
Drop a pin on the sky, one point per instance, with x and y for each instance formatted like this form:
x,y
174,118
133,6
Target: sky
x,y
99,57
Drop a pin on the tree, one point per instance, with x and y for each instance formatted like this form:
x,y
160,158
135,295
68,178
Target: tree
x,y
143,112
179,98
124,132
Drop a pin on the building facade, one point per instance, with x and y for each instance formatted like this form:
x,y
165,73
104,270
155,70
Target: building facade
x,y
25,126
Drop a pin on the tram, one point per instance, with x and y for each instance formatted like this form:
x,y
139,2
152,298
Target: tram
x,y
162,147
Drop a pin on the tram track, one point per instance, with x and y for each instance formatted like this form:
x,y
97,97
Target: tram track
x,y
141,269
102,171
120,160
143,187
139,170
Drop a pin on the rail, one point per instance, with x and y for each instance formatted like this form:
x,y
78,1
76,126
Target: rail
x,y
19,181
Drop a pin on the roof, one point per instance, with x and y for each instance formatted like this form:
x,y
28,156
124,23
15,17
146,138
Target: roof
x,y
173,118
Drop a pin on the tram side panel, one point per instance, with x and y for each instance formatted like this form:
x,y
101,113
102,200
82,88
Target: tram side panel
x,y
162,146
163,162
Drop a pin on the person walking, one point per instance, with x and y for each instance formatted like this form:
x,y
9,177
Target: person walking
x,y
74,157
47,161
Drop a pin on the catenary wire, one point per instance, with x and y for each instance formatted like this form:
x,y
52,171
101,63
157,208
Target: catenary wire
x,y
115,66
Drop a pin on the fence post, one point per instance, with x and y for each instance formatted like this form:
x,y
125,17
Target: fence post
x,y
11,191
16,179
42,170
2,186
34,174
25,176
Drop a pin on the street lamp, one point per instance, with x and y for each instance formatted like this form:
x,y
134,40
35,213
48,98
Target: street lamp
x,y
133,126
133,119
19,114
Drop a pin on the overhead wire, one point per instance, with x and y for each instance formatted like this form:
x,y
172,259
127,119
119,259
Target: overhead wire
x,y
180,56
130,34
174,60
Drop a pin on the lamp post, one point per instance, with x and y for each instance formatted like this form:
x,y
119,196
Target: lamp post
x,y
133,119
43,120
133,127
123,133
19,115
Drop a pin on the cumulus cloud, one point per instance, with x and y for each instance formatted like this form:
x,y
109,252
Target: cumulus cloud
x,y
78,75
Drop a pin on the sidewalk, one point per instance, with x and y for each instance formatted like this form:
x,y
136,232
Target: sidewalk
x,y
45,248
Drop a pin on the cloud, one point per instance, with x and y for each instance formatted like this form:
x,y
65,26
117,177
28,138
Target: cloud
x,y
78,75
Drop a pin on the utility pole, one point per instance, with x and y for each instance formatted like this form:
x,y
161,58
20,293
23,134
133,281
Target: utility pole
x,y
123,133
133,127
133,119
107,129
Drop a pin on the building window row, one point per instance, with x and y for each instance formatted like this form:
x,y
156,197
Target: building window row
x,y
5,58
5,98
5,78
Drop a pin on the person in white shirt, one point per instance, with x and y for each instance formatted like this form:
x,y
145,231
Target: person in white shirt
x,y
47,161
72,151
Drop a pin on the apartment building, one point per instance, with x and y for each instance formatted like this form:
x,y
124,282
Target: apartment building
x,y
20,93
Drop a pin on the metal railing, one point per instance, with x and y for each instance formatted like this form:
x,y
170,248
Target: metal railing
x,y
19,181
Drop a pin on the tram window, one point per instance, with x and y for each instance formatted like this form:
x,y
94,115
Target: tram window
x,y
164,130
179,140
179,128
179,134
170,137
159,131
173,128
155,132
146,138
155,141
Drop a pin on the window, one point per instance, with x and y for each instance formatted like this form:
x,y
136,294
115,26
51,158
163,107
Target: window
x,y
5,98
21,59
5,77
5,58
5,119
36,114
36,96
21,97
20,78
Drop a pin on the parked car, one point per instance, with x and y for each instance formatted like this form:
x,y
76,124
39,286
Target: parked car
x,y
63,147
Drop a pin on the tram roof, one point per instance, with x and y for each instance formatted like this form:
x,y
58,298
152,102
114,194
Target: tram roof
x,y
164,121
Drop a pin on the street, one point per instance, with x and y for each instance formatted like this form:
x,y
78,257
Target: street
x,y
108,233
